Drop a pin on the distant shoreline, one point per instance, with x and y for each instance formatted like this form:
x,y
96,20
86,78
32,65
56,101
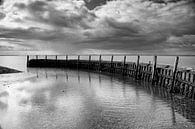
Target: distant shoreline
x,y
5,70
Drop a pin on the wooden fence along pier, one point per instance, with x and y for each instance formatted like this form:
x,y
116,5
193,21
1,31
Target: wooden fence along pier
x,y
175,79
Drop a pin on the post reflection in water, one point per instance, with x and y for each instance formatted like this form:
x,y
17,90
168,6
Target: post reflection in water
x,y
82,100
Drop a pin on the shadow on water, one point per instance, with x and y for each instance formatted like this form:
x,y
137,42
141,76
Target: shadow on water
x,y
183,106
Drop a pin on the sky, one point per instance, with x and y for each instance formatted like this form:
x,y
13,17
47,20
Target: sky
x,y
97,26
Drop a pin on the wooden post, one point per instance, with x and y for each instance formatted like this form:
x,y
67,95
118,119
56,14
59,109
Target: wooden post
x,y
124,62
36,57
154,73
78,61
137,68
193,80
45,62
174,74
89,63
56,60
27,62
66,60
111,64
100,59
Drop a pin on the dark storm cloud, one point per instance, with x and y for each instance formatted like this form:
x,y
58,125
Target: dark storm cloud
x,y
2,15
1,2
167,1
102,24
152,28
91,4
43,12
33,33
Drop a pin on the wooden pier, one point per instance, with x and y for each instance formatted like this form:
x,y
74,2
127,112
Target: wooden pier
x,y
176,80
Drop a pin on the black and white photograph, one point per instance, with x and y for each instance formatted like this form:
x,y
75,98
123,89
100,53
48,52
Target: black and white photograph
x,y
97,64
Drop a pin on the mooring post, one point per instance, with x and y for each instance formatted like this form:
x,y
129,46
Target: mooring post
x,y
111,63
124,63
78,61
154,72
137,68
174,74
100,59
36,57
46,57
89,63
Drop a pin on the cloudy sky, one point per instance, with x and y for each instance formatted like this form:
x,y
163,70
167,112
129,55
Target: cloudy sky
x,y
97,26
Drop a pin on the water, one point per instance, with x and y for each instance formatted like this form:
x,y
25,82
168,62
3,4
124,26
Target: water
x,y
65,99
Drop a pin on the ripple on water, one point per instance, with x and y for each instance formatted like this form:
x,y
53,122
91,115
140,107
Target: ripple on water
x,y
79,100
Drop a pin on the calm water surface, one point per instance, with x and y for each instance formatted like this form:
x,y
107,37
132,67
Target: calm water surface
x,y
64,99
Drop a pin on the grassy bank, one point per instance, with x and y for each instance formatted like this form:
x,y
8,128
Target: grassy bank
x,y
4,70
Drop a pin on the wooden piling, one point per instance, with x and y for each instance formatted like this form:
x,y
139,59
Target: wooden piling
x,y
137,68
154,73
78,61
56,60
162,75
193,80
46,60
66,60
89,63
111,63
124,63
174,74
100,60
27,60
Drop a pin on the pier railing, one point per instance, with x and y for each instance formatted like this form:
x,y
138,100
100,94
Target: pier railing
x,y
175,79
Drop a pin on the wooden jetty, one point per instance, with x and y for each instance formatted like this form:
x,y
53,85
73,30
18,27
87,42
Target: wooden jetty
x,y
176,80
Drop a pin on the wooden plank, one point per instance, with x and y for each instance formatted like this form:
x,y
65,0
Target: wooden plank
x,y
174,74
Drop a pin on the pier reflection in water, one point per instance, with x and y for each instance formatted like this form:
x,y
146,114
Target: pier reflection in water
x,y
58,99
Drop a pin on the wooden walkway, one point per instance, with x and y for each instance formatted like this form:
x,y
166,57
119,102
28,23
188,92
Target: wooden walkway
x,y
176,80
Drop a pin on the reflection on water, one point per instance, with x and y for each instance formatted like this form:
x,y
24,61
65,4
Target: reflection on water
x,y
64,99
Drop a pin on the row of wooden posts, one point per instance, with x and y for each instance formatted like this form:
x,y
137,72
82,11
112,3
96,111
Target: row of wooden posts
x,y
150,72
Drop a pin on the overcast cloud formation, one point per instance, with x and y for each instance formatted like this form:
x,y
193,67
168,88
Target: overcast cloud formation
x,y
98,26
